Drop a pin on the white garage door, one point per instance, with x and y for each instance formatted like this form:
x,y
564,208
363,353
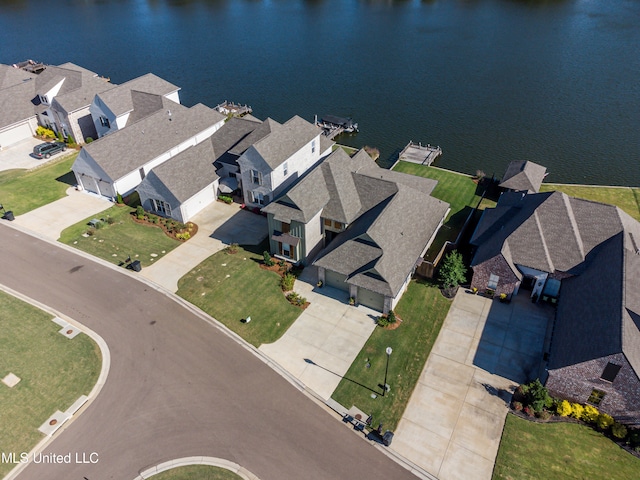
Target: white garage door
x,y
371,299
89,183
336,280
15,135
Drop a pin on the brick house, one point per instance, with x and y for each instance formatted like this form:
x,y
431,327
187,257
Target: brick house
x,y
585,256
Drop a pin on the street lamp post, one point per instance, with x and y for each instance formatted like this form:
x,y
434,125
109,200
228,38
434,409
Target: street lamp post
x,y
386,370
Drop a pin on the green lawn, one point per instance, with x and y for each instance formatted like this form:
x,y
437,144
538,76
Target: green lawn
x,y
560,451
22,191
350,150
458,190
423,310
124,237
627,198
54,372
233,287
197,472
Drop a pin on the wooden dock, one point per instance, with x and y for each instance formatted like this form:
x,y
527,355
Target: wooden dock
x,y
230,108
418,153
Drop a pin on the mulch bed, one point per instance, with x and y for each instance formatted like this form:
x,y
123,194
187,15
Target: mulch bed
x,y
145,221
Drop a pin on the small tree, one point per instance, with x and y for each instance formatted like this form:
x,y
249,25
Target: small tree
x,y
537,396
268,261
452,271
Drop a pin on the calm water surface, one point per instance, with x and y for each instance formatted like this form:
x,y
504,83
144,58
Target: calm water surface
x,y
556,82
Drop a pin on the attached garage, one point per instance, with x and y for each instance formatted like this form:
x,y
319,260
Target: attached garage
x,y
371,299
15,134
336,280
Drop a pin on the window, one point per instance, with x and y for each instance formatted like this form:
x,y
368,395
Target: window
x,y
257,198
327,222
493,281
256,177
285,168
596,397
286,227
313,146
44,99
286,250
104,121
161,207
337,225
610,372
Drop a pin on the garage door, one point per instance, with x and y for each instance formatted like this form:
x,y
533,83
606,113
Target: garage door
x,y
89,183
336,280
16,134
371,299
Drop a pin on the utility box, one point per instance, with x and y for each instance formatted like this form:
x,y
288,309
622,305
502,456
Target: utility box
x,y
8,215
387,438
136,266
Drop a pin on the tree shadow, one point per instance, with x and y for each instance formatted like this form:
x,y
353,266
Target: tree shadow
x,y
501,393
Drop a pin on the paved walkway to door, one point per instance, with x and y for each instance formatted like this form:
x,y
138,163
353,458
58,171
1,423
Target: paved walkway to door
x,y
453,424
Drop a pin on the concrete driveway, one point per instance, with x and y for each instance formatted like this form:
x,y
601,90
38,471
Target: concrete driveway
x,y
330,332
19,155
453,423
219,225
50,220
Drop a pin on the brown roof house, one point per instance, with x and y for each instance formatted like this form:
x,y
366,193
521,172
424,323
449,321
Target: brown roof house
x,y
583,255
366,226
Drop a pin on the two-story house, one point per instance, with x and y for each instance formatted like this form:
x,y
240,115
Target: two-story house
x,y
129,102
18,119
274,162
366,226
117,163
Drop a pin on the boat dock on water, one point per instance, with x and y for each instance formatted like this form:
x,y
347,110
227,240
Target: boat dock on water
x,y
418,153
332,126
230,108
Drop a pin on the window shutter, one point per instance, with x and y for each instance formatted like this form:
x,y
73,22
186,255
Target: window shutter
x,y
259,178
251,197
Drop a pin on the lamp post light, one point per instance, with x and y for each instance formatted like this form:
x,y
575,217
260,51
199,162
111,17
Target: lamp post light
x,y
386,370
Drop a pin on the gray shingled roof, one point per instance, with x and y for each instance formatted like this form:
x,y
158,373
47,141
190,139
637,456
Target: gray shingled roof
x,y
265,128
234,131
525,176
10,76
15,103
130,148
120,99
82,96
187,173
283,142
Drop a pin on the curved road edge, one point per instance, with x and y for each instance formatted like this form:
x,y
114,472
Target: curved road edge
x,y
102,377
186,461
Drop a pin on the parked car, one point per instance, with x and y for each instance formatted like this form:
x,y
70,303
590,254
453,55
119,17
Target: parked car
x,y
45,150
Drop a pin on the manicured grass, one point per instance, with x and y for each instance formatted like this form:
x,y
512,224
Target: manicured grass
x,y
22,191
232,287
123,238
568,451
197,472
54,372
423,310
350,150
627,198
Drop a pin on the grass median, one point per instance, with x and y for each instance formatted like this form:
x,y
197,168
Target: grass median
x,y
124,237
199,472
53,369
562,451
22,191
232,287
423,310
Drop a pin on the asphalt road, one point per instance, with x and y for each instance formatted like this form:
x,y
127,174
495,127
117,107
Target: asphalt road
x,y
177,386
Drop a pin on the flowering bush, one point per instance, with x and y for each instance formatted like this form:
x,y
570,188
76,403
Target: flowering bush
x,y
564,408
604,421
590,414
577,410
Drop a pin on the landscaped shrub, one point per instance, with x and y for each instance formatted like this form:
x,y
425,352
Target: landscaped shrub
x,y
225,198
296,299
183,236
604,421
111,220
545,415
140,212
564,408
618,430
517,406
118,196
537,396
590,414
382,321
71,141
45,132
268,261
91,231
88,140
577,410
232,249
634,438
287,282
452,271
60,137
529,411
99,225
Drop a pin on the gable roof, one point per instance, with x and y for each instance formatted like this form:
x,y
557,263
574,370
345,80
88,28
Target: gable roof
x,y
123,98
81,96
187,173
234,131
10,76
265,128
285,140
523,175
130,148
15,103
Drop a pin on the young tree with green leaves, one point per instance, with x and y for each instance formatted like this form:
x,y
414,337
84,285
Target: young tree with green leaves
x,y
452,271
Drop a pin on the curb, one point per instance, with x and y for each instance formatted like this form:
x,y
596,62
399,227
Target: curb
x,y
186,461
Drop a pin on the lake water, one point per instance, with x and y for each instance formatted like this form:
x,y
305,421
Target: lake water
x,y
490,81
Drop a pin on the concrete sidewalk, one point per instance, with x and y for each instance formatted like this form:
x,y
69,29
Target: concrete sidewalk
x,y
453,423
330,332
219,225
50,220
